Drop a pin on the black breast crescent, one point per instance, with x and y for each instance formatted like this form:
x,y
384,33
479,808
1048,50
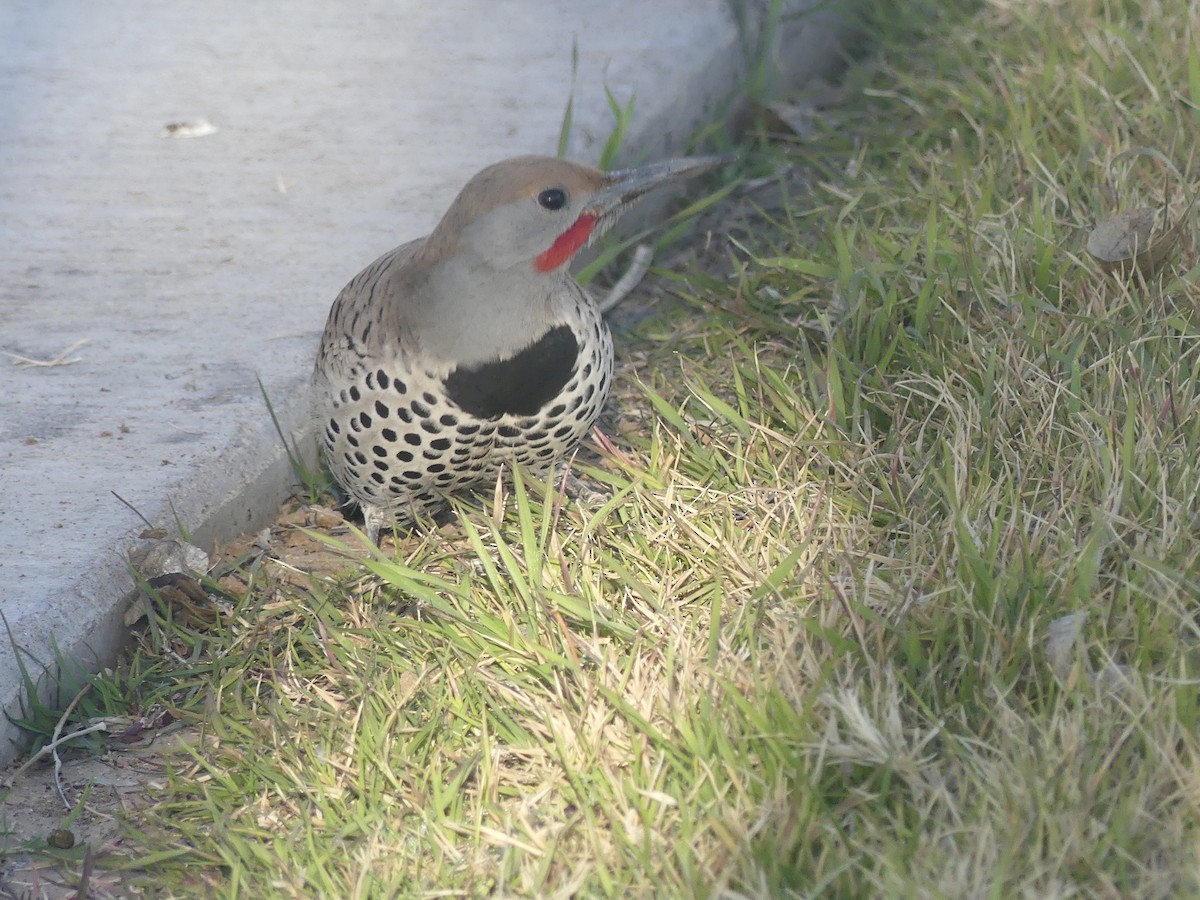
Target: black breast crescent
x,y
521,385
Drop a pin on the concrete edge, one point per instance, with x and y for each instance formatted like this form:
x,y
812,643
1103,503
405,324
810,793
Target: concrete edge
x,y
245,484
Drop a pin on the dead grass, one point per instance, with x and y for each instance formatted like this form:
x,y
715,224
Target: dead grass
x,y
874,436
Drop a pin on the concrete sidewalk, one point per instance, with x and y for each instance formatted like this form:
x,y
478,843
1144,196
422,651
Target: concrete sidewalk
x,y
183,268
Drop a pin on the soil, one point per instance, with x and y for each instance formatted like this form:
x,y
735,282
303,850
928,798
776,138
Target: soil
x,y
48,847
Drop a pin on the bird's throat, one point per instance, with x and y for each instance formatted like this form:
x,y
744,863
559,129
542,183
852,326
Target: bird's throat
x,y
567,244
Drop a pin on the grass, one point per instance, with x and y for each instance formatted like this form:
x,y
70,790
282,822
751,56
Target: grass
x,y
868,453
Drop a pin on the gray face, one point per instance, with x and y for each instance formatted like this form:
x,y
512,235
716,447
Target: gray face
x,y
520,232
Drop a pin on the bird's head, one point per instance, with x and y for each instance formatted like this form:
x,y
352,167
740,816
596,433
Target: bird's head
x,y
538,212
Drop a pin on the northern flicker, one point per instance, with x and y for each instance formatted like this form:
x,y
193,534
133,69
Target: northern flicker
x,y
474,347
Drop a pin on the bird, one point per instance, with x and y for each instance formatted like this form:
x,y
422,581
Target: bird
x,y
474,347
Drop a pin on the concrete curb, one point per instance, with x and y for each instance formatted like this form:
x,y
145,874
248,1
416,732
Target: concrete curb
x,y
192,265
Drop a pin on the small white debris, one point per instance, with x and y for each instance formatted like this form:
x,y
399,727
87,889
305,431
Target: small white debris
x,y
1064,635
262,540
1060,642
193,129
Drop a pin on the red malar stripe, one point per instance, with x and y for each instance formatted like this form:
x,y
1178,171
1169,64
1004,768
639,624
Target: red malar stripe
x,y
567,244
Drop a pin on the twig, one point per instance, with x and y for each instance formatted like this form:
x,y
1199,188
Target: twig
x,y
60,360
48,748
57,740
133,508
638,267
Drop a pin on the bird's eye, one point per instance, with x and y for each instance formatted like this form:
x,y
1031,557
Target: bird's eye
x,y
552,198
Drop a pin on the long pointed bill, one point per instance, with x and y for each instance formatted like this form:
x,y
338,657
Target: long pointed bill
x,y
623,186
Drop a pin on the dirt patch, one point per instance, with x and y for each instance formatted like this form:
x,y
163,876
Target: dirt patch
x,y
60,825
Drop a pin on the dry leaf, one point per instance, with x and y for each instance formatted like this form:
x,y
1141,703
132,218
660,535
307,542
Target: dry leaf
x,y
1063,642
785,118
1128,242
170,566
168,557
1060,642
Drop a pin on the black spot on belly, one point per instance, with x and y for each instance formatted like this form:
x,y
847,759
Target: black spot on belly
x,y
519,386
